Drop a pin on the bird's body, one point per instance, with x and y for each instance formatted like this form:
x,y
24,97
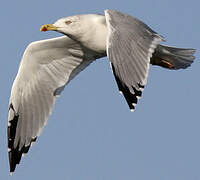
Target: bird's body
x,y
47,66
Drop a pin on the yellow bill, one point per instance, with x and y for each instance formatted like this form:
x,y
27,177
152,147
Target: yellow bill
x,y
48,27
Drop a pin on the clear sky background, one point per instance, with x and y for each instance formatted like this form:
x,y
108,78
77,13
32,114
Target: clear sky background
x,y
91,134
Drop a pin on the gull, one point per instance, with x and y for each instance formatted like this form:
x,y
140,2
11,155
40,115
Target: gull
x,y
47,66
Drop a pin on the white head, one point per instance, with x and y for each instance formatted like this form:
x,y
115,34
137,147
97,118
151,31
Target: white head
x,y
88,29
73,26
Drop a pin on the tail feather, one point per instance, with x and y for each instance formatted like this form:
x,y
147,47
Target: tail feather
x,y
173,58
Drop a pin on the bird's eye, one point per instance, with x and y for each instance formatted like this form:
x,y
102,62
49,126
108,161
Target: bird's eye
x,y
68,22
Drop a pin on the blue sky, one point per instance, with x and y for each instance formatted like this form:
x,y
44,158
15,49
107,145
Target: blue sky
x,y
91,134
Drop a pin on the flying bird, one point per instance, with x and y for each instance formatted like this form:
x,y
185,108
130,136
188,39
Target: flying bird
x,y
47,66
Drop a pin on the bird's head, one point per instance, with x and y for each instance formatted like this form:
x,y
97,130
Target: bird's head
x,y
86,29
76,26
69,26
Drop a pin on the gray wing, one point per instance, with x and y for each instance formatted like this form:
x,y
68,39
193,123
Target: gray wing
x,y
46,67
130,44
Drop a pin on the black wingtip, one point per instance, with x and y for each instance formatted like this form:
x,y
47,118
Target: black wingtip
x,y
131,98
13,156
15,153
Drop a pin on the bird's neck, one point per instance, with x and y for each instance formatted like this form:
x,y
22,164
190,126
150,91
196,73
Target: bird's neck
x,y
95,37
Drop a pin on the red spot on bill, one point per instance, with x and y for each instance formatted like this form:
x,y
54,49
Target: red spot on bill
x,y
44,28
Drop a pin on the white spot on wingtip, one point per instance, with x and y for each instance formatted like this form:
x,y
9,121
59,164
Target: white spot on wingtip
x,y
134,104
9,149
139,97
32,144
141,89
120,92
11,173
132,110
23,154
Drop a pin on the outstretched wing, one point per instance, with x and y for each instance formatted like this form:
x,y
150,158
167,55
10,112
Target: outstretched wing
x,y
46,67
130,44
